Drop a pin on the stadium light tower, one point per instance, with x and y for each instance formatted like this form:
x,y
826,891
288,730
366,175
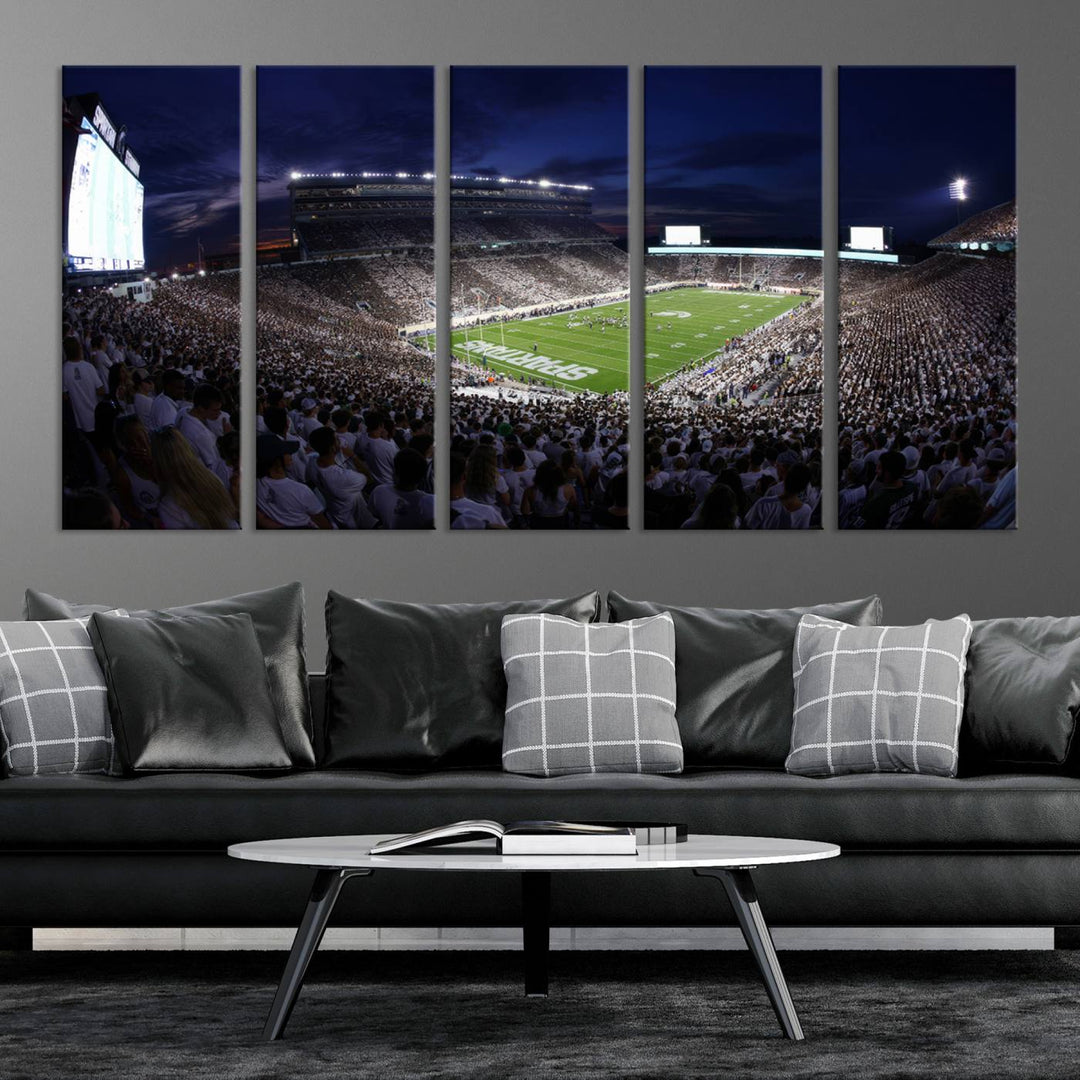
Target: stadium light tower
x,y
958,193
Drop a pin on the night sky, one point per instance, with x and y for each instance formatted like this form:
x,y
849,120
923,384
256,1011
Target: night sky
x,y
564,124
338,119
906,132
736,150
183,126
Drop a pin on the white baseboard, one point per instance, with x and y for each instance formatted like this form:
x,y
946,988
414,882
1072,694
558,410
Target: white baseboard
x,y
433,938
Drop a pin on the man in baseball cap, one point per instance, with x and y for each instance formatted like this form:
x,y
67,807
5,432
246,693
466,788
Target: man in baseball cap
x,y
281,502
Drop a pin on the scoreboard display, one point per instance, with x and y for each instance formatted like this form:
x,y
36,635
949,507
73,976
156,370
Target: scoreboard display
x,y
682,235
105,208
869,238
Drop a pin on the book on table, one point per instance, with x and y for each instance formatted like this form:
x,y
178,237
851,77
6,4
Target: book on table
x,y
523,838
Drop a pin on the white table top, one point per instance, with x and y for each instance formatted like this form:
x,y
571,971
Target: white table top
x,y
354,852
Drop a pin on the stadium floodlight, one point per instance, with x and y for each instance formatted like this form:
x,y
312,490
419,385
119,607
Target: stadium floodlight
x,y
543,183
958,189
295,175
429,176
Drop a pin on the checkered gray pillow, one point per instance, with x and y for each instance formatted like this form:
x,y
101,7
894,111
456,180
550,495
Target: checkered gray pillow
x,y
877,698
54,716
589,697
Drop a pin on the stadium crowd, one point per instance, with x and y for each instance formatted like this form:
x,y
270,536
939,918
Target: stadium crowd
x,y
928,396
345,412
365,233
993,226
734,442
782,271
396,289
490,228
547,273
539,460
150,415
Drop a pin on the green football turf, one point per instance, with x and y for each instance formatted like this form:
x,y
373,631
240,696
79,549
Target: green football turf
x,y
700,320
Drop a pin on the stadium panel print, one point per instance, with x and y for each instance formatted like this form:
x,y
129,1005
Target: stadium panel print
x,y
150,414
540,298
927,341
733,298
346,298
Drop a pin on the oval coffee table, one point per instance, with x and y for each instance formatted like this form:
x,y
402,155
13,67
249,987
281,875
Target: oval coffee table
x,y
729,859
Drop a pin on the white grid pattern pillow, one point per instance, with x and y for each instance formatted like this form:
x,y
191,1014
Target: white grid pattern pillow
x,y
54,714
589,697
877,698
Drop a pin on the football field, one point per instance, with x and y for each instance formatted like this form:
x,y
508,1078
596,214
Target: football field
x,y
681,326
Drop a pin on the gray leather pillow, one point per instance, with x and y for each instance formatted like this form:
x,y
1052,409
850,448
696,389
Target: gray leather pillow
x,y
188,694
733,671
278,617
414,687
1023,694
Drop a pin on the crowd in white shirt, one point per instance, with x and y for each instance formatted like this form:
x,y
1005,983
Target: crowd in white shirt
x,y
928,396
151,407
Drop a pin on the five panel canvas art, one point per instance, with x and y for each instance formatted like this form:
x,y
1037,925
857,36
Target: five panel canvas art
x,y
540,303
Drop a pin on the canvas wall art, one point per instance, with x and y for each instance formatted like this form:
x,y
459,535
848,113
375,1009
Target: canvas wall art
x,y
539,298
733,298
927,394
346,298
150,333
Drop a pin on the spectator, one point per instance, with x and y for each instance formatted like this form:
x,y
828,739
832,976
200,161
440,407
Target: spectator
x,y
402,504
192,497
281,502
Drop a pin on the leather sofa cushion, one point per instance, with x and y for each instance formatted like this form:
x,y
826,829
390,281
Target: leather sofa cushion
x,y
188,694
278,617
1022,694
421,686
171,812
733,672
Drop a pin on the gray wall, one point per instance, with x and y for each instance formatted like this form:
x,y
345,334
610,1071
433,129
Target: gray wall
x,y
1032,571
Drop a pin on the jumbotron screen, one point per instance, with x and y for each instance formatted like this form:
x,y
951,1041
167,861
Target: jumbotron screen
x,y
105,209
867,238
682,235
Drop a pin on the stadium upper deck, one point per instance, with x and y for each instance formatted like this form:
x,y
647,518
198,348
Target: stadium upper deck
x,y
358,213
993,229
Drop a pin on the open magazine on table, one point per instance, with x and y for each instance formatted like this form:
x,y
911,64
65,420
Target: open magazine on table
x,y
541,837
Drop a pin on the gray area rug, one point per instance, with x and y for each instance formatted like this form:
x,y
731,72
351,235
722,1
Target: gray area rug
x,y
198,1016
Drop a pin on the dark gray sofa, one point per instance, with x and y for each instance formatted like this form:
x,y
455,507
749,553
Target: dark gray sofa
x,y
1000,849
